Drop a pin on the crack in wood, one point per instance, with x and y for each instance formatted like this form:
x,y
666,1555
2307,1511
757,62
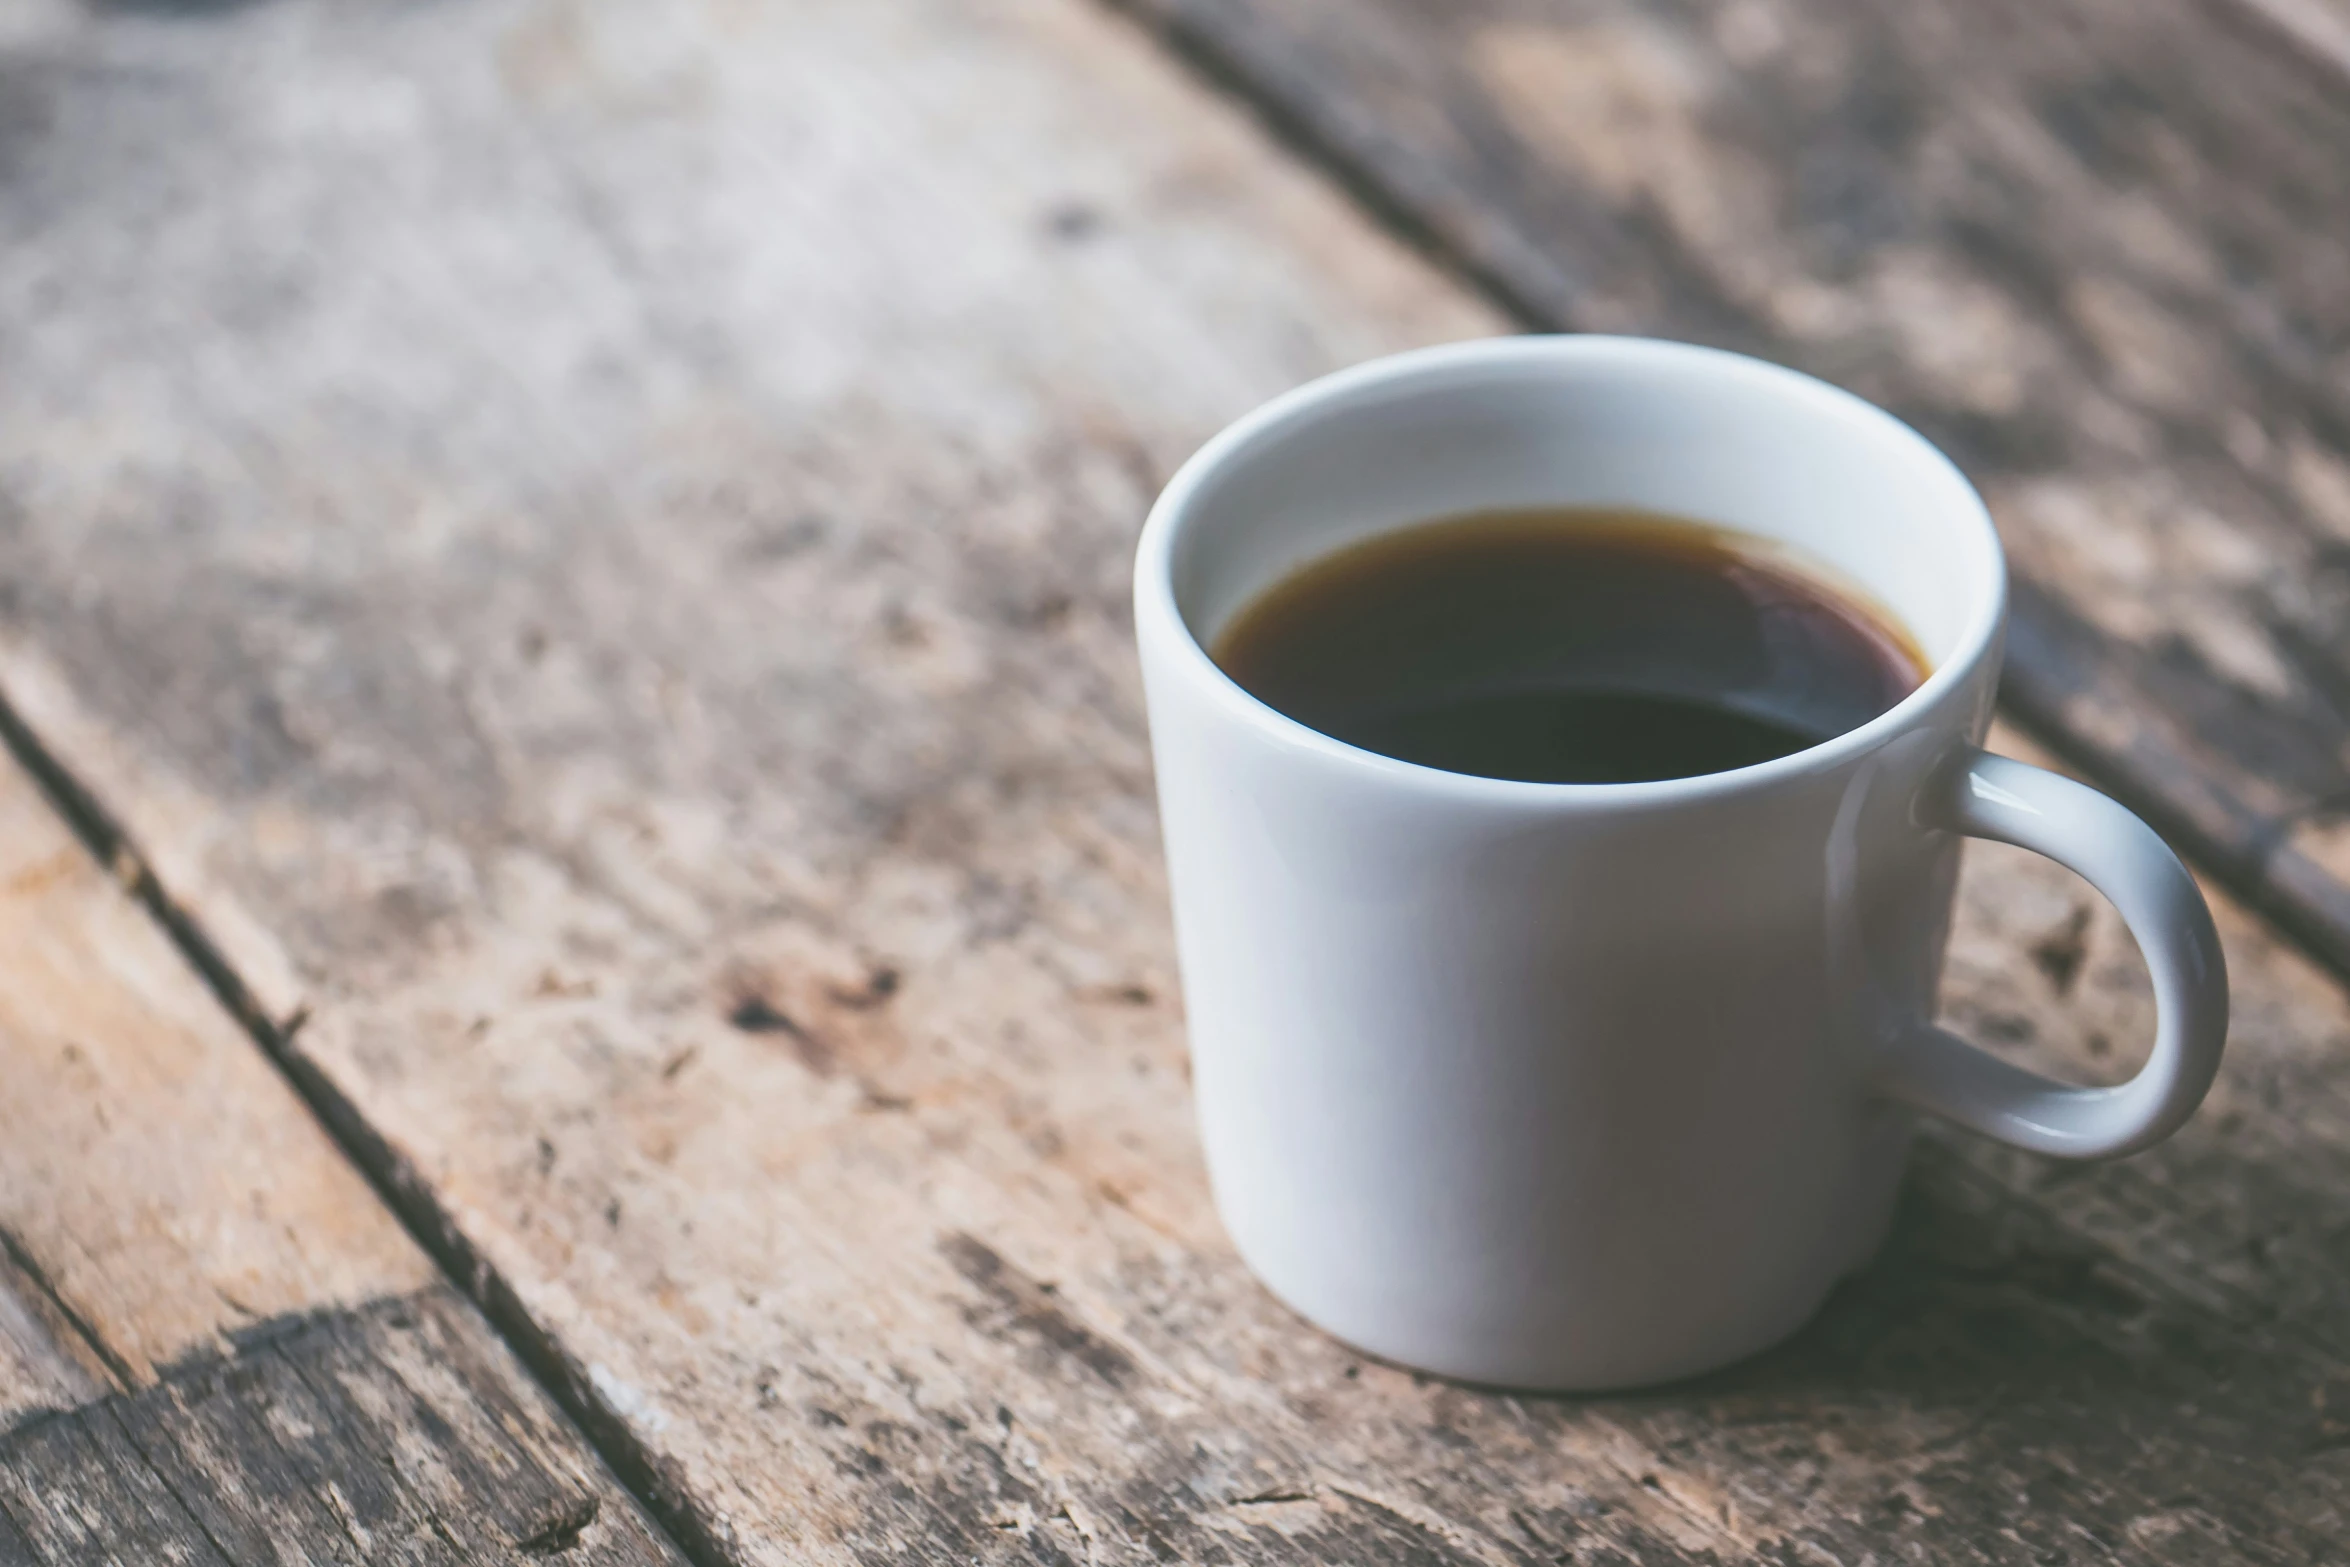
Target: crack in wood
x,y
111,1411
403,1189
1027,1307
1396,113
382,1458
561,1532
1230,1392
117,1366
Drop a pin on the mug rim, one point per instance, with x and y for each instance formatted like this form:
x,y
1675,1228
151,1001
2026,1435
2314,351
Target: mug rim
x,y
1158,615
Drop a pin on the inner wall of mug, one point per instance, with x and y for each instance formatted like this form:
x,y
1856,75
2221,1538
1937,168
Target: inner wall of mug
x,y
1592,421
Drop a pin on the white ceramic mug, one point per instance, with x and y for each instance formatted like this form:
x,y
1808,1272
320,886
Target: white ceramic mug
x,y
1587,1085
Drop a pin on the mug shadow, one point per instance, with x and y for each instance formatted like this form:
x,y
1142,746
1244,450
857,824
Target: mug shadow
x,y
1993,1373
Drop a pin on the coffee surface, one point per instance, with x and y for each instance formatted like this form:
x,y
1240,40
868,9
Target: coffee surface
x,y
1569,645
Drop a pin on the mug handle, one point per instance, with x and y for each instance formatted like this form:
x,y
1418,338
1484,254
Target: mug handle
x,y
1935,1070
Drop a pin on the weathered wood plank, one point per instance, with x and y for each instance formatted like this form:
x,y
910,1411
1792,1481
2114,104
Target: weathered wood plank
x,y
394,1433
15,1549
215,1342
2094,249
647,671
46,1362
78,1492
265,1470
517,1480
156,1178
312,1442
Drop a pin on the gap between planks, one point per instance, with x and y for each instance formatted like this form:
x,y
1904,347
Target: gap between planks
x,y
401,1189
1237,51
283,1046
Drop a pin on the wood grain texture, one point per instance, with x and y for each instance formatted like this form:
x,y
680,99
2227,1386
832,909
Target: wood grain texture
x,y
212,1334
47,1361
589,543
159,1186
2092,249
375,1435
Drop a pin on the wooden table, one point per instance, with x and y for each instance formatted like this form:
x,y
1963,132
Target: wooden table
x,y
583,962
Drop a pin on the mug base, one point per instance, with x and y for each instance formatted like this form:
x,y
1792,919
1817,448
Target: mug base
x,y
1572,1371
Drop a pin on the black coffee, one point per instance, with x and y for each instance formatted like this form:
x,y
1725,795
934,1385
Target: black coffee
x,y
1568,645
